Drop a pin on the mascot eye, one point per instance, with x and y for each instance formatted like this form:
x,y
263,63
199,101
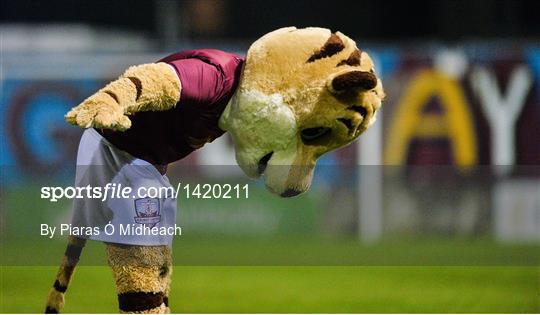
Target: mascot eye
x,y
312,134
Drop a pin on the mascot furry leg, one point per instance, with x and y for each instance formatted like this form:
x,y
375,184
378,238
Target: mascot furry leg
x,y
55,301
142,275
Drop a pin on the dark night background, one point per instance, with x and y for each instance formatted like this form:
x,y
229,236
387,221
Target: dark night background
x,y
244,19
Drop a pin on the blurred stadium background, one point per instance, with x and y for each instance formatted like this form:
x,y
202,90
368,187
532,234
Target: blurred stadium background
x,y
435,209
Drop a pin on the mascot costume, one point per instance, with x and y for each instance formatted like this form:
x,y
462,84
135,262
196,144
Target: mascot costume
x,y
298,94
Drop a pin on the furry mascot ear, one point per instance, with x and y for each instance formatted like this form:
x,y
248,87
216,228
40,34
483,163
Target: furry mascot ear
x,y
351,80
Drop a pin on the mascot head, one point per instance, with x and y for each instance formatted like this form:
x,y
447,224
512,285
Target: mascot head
x,y
303,92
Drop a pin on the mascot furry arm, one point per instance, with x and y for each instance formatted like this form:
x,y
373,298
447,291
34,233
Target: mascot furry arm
x,y
148,87
298,94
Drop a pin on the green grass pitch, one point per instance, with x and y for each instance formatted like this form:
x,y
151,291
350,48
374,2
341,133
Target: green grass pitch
x,y
415,276
296,289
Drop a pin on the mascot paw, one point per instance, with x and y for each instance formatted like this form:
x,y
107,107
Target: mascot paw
x,y
98,115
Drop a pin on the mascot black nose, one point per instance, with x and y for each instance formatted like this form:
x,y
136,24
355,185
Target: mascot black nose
x,y
290,193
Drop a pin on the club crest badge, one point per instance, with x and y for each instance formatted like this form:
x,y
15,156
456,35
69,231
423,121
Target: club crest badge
x,y
147,211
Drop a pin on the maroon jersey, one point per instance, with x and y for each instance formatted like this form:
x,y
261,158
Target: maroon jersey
x,y
208,78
